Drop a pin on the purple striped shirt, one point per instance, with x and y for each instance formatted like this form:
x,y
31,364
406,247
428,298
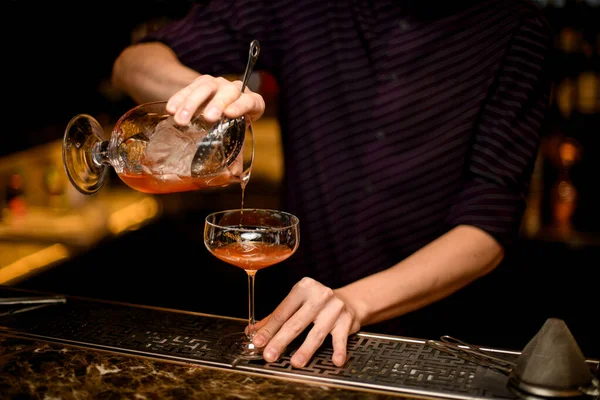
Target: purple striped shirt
x,y
396,127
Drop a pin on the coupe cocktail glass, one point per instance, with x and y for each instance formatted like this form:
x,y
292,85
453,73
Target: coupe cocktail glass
x,y
152,154
251,239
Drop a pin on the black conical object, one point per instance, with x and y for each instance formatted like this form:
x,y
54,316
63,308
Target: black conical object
x,y
552,364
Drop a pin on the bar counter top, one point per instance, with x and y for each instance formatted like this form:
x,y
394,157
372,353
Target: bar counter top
x,y
33,369
96,349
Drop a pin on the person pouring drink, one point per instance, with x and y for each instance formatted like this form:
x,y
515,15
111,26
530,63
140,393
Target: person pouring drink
x,y
409,129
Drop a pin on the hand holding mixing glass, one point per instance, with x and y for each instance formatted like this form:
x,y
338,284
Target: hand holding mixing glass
x,y
153,154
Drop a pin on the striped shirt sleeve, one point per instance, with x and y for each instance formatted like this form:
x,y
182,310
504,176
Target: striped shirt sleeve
x,y
507,137
214,37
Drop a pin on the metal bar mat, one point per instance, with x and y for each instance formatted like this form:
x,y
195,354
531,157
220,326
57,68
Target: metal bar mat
x,y
385,363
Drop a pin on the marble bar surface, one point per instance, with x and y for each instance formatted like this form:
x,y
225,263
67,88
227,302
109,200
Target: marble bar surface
x,y
34,369
88,349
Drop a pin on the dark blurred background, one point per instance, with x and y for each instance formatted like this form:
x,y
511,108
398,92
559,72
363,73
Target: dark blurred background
x,y
125,246
58,58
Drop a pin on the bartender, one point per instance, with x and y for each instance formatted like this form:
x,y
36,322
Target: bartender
x,y
410,131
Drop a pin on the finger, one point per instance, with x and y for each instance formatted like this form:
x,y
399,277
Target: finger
x,y
258,324
250,104
339,339
323,325
262,322
268,327
290,304
194,100
202,84
226,94
296,324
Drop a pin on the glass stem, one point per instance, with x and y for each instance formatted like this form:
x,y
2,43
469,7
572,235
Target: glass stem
x,y
100,153
251,319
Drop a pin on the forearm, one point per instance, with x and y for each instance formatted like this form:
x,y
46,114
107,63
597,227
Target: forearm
x,y
437,270
150,72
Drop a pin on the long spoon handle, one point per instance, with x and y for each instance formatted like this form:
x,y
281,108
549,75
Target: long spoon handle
x,y
252,57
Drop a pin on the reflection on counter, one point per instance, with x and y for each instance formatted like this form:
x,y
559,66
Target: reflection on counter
x,y
27,258
110,215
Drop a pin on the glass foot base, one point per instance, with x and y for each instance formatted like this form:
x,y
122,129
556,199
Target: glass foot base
x,y
83,133
238,345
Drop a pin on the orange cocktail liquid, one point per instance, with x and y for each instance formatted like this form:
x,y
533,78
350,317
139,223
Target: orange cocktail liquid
x,y
160,184
252,255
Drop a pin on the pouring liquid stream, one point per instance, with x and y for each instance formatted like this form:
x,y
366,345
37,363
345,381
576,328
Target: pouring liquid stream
x,y
244,179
